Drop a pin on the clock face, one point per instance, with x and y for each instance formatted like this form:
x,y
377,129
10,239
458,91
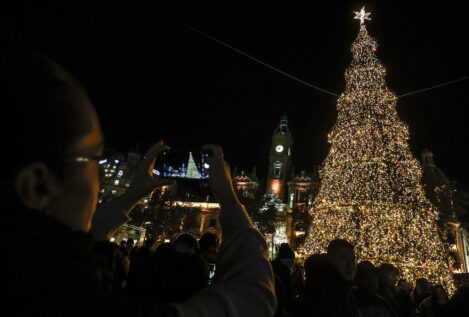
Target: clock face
x,y
279,148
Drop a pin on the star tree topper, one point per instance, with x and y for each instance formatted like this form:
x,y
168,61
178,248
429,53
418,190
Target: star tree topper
x,y
362,15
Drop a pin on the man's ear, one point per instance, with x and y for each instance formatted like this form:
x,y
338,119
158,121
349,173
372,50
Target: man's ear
x,y
36,186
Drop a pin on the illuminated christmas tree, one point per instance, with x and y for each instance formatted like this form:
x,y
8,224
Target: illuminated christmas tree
x,y
370,192
192,171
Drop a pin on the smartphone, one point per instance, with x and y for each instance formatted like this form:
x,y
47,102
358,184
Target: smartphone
x,y
182,164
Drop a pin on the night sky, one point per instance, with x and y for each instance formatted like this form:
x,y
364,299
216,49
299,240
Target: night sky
x,y
151,78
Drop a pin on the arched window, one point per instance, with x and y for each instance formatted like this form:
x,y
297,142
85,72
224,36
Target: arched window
x,y
277,169
300,229
300,195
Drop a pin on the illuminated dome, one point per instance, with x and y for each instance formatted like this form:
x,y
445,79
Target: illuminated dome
x,y
432,176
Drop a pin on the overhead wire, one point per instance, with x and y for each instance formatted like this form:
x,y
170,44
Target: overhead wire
x,y
291,76
433,87
254,58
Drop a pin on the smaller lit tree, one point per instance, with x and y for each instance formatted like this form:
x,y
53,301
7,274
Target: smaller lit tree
x,y
167,219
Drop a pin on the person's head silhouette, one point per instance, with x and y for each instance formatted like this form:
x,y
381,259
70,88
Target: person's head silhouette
x,y
53,138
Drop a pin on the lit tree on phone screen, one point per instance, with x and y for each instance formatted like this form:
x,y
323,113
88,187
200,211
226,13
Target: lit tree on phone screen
x,y
370,192
192,171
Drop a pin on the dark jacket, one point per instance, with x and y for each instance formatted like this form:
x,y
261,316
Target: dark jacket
x,y
372,305
283,272
326,293
51,270
399,300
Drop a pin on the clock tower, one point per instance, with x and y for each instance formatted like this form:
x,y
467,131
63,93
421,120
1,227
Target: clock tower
x,y
279,159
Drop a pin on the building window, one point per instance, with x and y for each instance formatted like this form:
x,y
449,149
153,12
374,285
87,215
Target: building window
x,y
277,169
300,229
277,172
116,182
120,173
300,197
113,191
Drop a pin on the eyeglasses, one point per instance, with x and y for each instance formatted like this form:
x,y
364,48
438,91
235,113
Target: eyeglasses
x,y
79,159
83,159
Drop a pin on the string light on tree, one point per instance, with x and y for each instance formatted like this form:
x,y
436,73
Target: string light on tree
x,y
370,191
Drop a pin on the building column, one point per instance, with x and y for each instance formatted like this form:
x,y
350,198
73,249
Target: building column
x,y
290,230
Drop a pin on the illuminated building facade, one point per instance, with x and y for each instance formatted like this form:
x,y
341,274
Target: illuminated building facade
x,y
449,201
127,232
189,206
118,174
302,189
246,185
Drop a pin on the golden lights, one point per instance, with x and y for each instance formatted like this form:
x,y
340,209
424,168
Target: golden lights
x,y
276,186
370,191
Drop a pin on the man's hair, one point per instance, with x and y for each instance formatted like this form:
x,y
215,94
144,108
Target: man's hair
x,y
385,268
39,116
208,240
285,252
366,267
401,280
337,244
363,276
187,239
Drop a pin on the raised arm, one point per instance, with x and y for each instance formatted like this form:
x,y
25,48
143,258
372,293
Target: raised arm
x,y
115,213
244,283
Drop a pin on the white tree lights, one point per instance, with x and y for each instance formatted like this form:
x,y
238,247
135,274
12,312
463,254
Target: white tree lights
x,y
371,193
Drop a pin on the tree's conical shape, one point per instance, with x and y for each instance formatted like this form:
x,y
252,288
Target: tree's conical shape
x,y
192,171
370,192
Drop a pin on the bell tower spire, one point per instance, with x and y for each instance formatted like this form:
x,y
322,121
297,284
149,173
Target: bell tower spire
x,y
280,158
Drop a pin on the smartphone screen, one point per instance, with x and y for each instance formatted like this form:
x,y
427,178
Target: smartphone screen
x,y
182,164
211,272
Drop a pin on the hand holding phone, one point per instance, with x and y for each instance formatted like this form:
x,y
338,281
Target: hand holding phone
x,y
144,181
220,175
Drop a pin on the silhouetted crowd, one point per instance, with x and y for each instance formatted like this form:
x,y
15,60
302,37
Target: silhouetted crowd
x,y
172,272
334,285
329,284
58,260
